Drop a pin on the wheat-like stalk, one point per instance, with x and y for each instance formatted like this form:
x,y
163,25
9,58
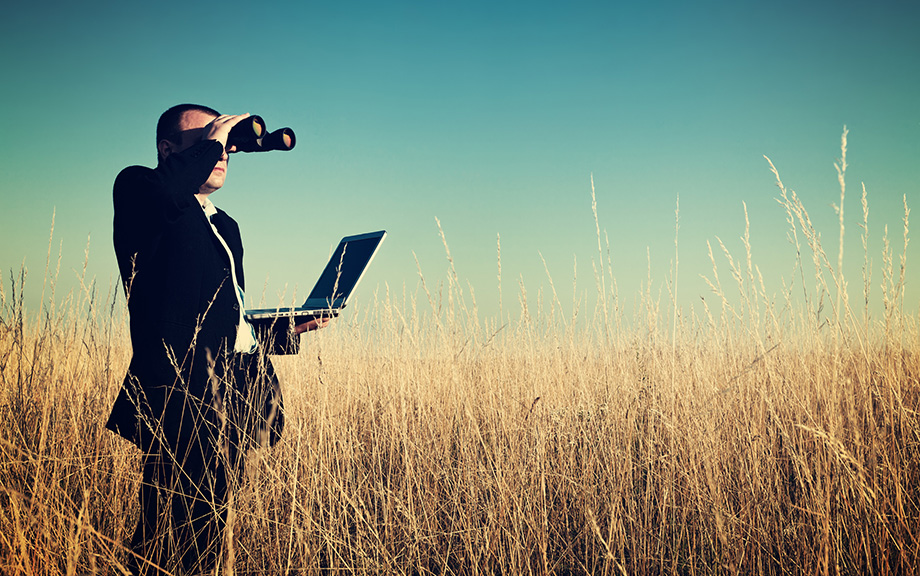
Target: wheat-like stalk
x,y
762,436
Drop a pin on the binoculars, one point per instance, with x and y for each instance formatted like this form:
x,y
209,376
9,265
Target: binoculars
x,y
251,135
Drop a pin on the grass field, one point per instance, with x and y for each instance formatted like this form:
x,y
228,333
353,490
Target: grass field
x,y
758,437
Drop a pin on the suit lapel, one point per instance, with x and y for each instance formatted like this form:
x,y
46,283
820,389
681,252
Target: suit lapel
x,y
228,230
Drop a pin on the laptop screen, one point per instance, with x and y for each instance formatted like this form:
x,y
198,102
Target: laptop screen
x,y
345,268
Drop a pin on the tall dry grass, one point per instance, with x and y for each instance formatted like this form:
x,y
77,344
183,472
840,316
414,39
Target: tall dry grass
x,y
765,435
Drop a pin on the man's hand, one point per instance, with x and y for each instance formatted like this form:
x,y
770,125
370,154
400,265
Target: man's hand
x,y
314,324
219,128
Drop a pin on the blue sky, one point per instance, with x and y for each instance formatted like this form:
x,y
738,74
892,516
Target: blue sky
x,y
491,117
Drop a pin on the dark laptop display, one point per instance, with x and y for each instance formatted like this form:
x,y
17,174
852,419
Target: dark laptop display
x,y
335,285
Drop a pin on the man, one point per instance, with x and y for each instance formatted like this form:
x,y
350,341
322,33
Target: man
x,y
200,390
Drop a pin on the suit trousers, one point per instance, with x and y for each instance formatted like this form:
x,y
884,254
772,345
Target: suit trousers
x,y
186,489
184,500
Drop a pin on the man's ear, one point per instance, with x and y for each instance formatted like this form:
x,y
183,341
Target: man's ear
x,y
165,148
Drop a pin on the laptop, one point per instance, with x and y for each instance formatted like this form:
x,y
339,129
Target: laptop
x,y
335,285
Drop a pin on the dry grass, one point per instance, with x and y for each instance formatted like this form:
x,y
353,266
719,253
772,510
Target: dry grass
x,y
763,437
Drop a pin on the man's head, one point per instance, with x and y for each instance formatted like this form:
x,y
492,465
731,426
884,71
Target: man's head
x,y
180,128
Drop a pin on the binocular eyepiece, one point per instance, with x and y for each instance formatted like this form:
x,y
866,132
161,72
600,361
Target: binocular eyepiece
x,y
251,135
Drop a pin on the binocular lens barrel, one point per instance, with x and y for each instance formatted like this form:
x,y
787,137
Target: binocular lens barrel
x,y
251,135
251,128
281,139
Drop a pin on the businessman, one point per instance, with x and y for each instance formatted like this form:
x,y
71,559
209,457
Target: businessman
x,y
200,390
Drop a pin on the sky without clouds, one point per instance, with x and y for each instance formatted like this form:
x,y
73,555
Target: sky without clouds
x,y
489,116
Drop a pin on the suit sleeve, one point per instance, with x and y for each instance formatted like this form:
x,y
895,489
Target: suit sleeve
x,y
169,189
146,200
277,337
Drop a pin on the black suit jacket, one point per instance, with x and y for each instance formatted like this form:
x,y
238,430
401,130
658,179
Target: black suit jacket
x,y
182,306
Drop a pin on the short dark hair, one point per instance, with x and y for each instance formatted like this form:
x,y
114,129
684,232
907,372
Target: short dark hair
x,y
168,125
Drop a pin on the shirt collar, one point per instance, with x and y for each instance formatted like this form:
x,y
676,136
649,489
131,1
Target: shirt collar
x,y
209,208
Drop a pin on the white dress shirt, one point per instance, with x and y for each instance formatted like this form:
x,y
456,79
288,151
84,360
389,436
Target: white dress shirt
x,y
246,342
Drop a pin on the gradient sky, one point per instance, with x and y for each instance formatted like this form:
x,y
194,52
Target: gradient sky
x,y
490,116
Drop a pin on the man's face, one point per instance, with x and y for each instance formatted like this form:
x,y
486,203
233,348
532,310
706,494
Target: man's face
x,y
191,129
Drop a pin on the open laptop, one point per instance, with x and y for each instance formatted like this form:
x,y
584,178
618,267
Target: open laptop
x,y
335,285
